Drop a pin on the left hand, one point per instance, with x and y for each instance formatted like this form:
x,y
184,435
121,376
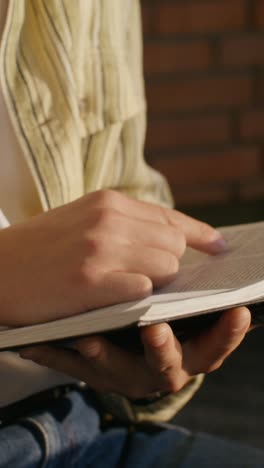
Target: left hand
x,y
165,366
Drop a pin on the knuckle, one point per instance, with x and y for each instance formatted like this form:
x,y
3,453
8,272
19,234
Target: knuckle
x,y
170,382
90,275
164,216
172,265
205,230
108,198
106,217
170,378
165,368
173,386
181,242
95,246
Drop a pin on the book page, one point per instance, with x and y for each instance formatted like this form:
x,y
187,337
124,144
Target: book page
x,y
244,239
203,284
242,265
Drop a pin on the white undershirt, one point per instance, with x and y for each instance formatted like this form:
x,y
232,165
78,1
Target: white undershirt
x,y
19,200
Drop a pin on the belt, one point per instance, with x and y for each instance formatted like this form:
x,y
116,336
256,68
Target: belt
x,y
34,403
46,400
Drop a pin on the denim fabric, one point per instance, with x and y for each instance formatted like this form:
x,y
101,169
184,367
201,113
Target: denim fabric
x,y
69,435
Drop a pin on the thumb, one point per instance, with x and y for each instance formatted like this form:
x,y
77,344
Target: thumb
x,y
207,352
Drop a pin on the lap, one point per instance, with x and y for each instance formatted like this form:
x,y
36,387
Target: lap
x,y
177,448
69,434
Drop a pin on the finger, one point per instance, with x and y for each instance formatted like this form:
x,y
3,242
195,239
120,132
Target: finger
x,y
208,351
117,287
103,366
120,370
62,360
158,265
198,235
163,353
150,234
90,360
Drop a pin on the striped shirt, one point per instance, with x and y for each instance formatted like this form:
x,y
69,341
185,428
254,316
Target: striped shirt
x,y
72,80
71,76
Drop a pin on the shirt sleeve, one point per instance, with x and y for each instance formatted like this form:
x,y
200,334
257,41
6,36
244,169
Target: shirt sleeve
x,y
139,179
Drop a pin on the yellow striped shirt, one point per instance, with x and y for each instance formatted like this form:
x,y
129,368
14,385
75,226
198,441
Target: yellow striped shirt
x,y
71,73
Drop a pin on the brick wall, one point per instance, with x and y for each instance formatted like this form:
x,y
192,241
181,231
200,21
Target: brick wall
x,y
204,64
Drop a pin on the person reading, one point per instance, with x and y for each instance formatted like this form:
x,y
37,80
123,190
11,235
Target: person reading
x,y
90,224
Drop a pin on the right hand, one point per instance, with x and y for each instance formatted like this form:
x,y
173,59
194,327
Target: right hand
x,y
164,366
99,250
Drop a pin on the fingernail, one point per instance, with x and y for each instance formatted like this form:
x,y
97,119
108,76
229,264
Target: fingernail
x,y
244,319
219,245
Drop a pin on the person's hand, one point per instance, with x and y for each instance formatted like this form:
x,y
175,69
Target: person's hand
x,y
166,366
102,249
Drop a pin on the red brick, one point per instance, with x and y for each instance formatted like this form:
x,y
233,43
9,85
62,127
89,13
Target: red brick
x,y
201,93
148,16
185,77
248,50
259,88
169,58
252,124
234,164
169,133
254,189
197,195
201,17
259,13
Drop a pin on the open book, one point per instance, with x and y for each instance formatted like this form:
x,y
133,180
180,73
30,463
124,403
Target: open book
x,y
204,285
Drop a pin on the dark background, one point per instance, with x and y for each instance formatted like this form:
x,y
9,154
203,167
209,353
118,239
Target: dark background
x,y
204,64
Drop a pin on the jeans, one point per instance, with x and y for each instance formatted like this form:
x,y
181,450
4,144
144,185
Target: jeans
x,y
69,435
